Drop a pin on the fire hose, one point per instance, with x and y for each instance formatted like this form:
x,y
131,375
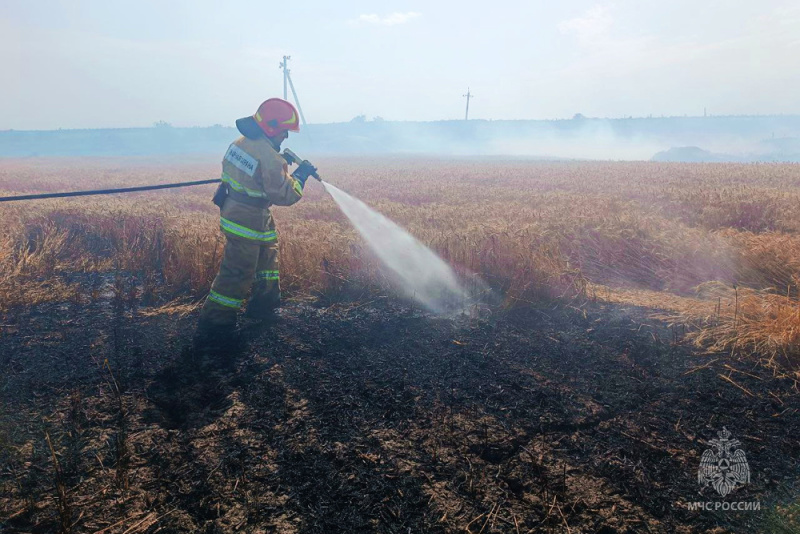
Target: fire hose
x,y
288,155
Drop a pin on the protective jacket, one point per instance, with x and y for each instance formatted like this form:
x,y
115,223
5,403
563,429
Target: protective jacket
x,y
254,177
258,177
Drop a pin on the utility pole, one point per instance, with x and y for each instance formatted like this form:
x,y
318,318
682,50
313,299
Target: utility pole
x,y
287,79
285,67
296,101
468,96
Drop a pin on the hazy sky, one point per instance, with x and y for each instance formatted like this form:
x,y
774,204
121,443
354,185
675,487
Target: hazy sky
x,y
88,63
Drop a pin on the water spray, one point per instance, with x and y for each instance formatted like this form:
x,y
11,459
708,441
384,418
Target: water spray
x,y
415,268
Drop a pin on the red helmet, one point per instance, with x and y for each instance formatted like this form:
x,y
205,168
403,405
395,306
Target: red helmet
x,y
273,117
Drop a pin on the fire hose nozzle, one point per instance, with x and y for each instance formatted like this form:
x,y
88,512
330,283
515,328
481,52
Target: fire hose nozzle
x,y
293,159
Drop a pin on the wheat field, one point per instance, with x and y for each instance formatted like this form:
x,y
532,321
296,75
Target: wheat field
x,y
713,247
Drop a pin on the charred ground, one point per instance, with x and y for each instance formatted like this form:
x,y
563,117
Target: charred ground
x,y
376,417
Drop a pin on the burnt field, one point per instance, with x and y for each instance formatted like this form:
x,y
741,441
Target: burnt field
x,y
377,418
642,309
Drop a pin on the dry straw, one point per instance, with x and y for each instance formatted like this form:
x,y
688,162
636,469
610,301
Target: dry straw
x,y
682,235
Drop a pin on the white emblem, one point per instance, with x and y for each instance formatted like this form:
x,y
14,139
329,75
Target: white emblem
x,y
722,468
242,160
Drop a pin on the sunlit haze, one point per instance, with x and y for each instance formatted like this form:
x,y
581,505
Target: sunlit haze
x,y
93,64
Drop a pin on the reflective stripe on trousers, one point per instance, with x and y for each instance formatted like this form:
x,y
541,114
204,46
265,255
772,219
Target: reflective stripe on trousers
x,y
213,296
242,231
267,275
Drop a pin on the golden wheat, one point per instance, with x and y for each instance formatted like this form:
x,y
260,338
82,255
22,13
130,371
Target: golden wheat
x,y
530,230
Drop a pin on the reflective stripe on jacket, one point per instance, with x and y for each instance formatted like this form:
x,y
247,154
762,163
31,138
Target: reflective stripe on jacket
x,y
254,168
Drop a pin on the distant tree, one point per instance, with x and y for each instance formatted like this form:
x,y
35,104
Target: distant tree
x,y
377,118
578,117
359,118
162,124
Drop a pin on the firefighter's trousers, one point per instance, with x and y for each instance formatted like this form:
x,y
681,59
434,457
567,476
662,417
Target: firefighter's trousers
x,y
244,263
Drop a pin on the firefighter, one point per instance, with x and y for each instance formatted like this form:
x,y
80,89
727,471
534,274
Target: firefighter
x,y
254,177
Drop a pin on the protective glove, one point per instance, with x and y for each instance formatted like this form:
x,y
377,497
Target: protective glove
x,y
303,171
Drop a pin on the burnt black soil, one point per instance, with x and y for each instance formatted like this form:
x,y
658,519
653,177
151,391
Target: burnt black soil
x,y
379,418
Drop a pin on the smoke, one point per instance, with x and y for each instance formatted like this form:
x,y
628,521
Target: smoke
x,y
419,272
568,139
767,138
590,139
750,138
